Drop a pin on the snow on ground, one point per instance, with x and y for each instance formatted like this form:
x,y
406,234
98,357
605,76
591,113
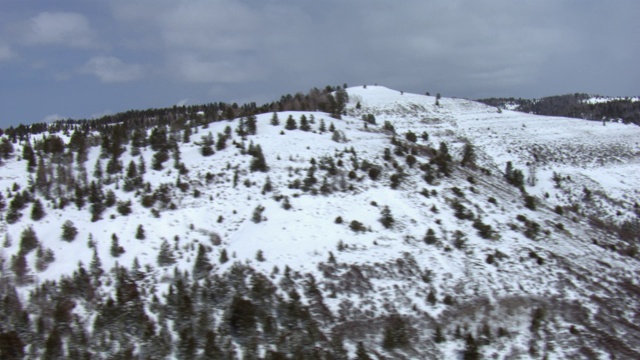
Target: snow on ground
x,y
602,157
606,99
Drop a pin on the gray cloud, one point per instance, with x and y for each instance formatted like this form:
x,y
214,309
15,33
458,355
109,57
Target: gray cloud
x,y
58,28
256,50
191,68
110,69
5,52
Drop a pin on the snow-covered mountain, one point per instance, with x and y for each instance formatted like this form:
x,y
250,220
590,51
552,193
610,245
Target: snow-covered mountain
x,y
413,227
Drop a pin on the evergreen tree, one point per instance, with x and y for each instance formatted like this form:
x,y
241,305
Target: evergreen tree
x,y
291,123
242,316
124,207
438,336
267,187
274,119
140,233
37,210
131,180
411,136
53,346
69,231
304,124
29,155
387,219
468,155
42,177
222,142
165,255
202,266
257,214
20,268
361,352
96,211
44,257
114,166
431,298
116,250
223,256
251,125
258,163
142,168
395,333
28,240
430,238
95,268
186,135
110,198
471,351
11,346
513,176
97,170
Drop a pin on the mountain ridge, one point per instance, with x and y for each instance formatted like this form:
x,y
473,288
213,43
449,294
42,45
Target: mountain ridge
x,y
504,253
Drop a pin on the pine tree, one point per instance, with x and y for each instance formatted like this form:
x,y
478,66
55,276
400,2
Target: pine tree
x,y
202,266
97,171
28,240
37,210
20,268
322,127
471,349
242,316
140,233
438,336
116,250
361,352
468,155
95,268
291,123
257,214
274,119
387,219
395,333
251,125
11,346
186,135
69,231
430,238
44,257
431,298
165,256
304,124
53,346
223,256
29,155
258,163
267,187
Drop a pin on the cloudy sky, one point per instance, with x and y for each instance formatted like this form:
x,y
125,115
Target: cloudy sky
x,y
82,59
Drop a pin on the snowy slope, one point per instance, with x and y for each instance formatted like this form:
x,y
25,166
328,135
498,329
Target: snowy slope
x,y
569,269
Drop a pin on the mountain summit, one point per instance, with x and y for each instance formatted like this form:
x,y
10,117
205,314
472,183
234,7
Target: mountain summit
x,y
388,225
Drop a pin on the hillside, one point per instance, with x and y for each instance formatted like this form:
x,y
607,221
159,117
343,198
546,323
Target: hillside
x,y
409,226
582,106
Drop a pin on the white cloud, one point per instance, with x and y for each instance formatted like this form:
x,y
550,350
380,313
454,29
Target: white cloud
x,y
110,69
53,117
59,28
5,52
192,68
